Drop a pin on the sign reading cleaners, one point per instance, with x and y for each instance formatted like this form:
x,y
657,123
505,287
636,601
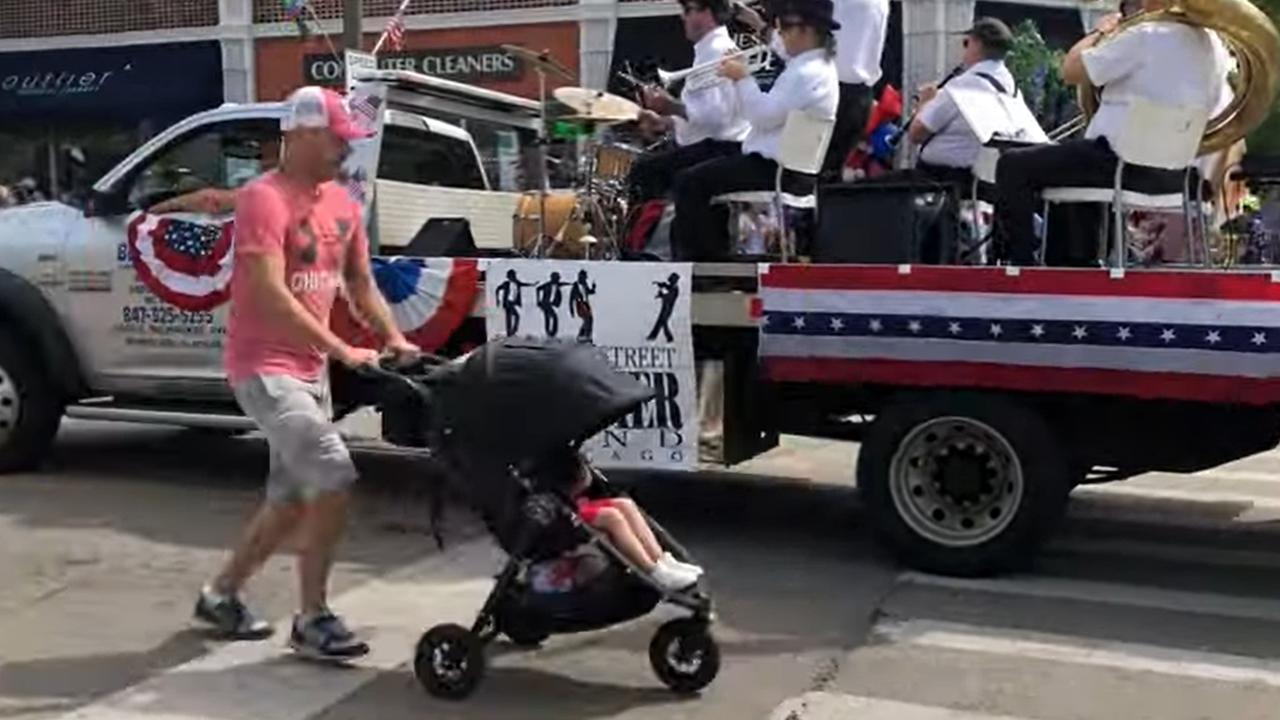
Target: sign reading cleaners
x,y
638,314
477,63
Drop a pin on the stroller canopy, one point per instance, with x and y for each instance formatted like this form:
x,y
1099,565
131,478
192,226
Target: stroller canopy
x,y
515,401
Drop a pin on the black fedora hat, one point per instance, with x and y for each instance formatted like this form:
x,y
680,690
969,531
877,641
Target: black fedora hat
x,y
820,13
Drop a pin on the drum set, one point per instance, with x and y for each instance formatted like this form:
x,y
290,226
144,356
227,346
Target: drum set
x,y
589,221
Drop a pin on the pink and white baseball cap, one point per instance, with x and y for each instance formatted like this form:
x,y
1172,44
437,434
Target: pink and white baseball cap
x,y
317,107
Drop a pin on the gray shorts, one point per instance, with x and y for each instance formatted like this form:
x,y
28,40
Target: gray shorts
x,y
308,456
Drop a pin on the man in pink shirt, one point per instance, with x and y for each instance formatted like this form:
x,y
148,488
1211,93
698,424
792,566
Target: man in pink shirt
x,y
299,238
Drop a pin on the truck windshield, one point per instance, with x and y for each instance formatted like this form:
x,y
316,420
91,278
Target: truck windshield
x,y
425,158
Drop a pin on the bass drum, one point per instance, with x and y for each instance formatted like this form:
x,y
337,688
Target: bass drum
x,y
564,226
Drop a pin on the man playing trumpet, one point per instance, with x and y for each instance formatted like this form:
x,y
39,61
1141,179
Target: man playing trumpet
x,y
706,121
809,83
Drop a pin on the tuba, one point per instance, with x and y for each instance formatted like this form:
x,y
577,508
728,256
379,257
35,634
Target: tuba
x,y
1250,36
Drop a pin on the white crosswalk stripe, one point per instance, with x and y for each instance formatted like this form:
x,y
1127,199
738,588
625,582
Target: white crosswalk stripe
x,y
837,706
1220,500
1218,667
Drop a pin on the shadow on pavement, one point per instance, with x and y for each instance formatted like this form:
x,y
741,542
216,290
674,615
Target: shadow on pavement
x,y
83,678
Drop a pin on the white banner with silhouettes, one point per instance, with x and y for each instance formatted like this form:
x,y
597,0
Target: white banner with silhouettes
x,y
639,315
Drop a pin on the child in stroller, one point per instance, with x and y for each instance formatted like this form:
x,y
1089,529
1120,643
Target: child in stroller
x,y
624,524
546,507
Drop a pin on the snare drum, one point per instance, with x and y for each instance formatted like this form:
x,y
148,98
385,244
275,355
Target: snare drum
x,y
613,161
563,224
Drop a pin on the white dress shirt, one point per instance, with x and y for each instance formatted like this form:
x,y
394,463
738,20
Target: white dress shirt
x,y
953,143
808,83
864,24
712,112
1164,62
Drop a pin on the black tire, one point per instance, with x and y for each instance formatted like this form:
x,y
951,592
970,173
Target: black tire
x,y
449,662
25,439
684,655
1016,524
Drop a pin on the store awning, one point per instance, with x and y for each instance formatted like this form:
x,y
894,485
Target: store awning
x,y
131,83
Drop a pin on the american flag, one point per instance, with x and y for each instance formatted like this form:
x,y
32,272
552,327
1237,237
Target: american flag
x,y
365,106
395,31
185,263
1207,336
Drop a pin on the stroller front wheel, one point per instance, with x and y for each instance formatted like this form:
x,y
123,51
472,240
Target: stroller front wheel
x,y
684,655
449,662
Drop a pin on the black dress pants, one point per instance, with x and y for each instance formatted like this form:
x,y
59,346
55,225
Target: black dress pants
x,y
700,232
1072,229
1022,174
653,173
851,120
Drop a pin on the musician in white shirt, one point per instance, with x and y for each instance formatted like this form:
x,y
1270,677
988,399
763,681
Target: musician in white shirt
x,y
1163,61
947,143
808,83
707,122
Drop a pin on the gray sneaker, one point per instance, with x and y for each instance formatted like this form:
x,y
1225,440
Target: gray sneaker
x,y
325,637
229,617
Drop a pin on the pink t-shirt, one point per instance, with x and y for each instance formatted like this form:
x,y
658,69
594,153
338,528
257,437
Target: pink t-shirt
x,y
317,231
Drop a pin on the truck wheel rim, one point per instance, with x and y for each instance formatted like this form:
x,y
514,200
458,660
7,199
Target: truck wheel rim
x,y
10,405
956,481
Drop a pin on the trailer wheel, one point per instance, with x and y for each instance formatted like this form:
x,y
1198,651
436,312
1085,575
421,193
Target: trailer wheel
x,y
30,411
963,484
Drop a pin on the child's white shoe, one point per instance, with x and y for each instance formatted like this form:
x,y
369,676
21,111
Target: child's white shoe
x,y
671,560
672,578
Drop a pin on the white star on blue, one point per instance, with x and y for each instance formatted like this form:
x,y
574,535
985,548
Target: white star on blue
x,y
191,239
1091,332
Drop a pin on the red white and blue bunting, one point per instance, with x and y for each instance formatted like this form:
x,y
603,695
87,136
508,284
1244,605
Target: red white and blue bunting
x,y
429,299
187,264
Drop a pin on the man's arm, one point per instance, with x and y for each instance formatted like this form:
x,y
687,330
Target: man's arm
x,y
936,113
364,294
1074,71
369,303
271,297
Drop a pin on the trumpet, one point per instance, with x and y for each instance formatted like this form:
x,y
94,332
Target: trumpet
x,y
756,58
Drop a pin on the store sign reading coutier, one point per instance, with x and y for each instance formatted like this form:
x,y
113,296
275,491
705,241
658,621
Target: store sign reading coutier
x,y
479,63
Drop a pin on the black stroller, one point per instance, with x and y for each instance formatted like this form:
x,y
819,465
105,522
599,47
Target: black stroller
x,y
501,421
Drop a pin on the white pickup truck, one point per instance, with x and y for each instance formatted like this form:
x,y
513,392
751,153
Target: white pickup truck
x,y
80,335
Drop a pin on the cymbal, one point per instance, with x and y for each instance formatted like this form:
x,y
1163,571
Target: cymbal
x,y
588,119
541,60
597,105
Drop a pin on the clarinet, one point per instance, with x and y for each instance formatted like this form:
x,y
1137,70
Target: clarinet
x,y
956,72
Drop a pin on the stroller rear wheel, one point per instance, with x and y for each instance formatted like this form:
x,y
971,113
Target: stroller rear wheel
x,y
684,655
449,662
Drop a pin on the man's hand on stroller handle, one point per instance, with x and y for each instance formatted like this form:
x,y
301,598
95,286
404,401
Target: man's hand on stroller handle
x,y
356,357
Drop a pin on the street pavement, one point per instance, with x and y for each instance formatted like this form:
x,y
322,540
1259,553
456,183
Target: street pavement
x,y
1160,598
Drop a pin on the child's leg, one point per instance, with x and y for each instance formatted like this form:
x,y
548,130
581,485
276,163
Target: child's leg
x,y
639,526
615,525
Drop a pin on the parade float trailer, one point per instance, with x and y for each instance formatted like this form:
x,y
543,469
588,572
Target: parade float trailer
x,y
987,394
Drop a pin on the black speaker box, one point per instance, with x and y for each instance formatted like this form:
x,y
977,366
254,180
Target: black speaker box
x,y
885,223
443,237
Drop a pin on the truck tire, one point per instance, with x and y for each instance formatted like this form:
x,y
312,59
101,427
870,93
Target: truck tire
x,y
962,483
30,409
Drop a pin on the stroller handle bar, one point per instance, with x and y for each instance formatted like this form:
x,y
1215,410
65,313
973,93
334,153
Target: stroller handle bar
x,y
388,370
